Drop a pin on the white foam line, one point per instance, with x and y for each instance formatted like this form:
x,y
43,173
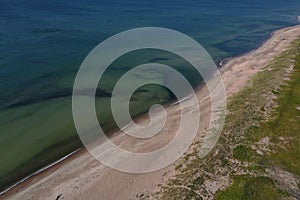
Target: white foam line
x,y
182,100
126,126
39,171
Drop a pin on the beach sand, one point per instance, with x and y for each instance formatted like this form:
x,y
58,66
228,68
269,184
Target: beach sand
x,y
82,177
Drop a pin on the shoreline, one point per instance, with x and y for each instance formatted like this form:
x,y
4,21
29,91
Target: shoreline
x,y
227,65
225,60
256,125
36,173
111,133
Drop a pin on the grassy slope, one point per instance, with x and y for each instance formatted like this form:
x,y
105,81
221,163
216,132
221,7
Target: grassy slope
x,y
258,152
281,152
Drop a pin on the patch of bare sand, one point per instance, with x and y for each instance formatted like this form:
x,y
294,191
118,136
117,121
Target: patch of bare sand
x,y
83,177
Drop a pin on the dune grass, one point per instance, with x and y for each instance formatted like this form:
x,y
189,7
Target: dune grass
x,y
261,135
249,188
282,129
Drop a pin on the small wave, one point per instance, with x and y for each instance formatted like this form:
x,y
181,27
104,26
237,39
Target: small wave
x,y
181,100
39,171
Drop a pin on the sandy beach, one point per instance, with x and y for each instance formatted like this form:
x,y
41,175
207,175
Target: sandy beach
x,y
82,177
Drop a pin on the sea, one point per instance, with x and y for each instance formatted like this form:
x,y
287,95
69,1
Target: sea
x,y
43,43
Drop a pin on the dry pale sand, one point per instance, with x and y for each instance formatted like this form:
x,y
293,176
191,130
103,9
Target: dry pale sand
x,y
82,177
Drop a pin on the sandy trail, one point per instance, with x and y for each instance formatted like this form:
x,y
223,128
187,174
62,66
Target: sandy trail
x,y
83,177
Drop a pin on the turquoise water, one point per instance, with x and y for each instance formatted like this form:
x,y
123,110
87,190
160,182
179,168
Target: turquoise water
x,y
44,42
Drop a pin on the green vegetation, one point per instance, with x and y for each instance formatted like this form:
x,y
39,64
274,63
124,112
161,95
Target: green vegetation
x,y
249,188
244,153
258,151
284,128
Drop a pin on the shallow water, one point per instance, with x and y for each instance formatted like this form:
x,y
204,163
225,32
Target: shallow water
x,y
44,42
